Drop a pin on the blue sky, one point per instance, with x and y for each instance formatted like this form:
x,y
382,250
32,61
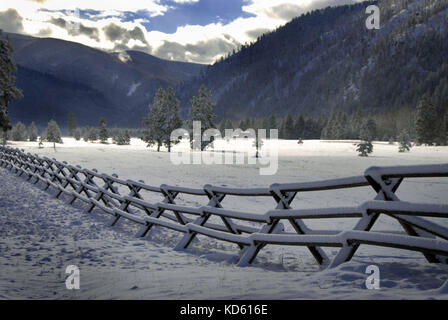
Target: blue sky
x,y
198,31
200,13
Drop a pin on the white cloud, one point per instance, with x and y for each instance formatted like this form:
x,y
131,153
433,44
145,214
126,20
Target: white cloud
x,y
185,1
273,9
151,6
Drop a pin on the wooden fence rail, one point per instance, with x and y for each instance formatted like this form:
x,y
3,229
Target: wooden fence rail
x,y
251,232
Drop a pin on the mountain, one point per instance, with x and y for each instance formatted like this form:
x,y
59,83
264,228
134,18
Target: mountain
x,y
58,77
327,60
319,63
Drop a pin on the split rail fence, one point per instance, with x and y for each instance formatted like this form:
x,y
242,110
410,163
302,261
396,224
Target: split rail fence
x,y
249,231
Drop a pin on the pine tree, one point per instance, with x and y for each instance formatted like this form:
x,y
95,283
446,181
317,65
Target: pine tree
x,y
122,138
19,132
163,119
365,147
299,127
154,123
92,135
369,130
53,133
85,134
8,91
32,132
172,118
71,122
287,131
202,110
328,132
404,142
425,120
103,134
77,134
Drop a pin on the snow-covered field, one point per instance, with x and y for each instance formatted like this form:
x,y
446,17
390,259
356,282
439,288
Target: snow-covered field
x,y
41,236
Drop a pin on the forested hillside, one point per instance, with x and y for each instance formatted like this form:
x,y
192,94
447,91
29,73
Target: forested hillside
x,y
58,77
328,61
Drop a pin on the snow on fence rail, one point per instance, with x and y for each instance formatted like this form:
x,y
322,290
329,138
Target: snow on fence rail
x,y
252,231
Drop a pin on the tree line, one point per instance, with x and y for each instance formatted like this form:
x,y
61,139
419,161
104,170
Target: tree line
x,y
423,125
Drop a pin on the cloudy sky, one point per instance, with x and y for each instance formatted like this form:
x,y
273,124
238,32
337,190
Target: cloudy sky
x,y
198,31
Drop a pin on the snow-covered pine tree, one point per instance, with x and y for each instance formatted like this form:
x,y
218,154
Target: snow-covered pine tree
x,y
92,135
71,123
103,134
77,134
153,133
154,123
85,133
202,110
8,91
425,120
172,118
122,137
53,133
404,142
365,147
32,132
163,119
19,132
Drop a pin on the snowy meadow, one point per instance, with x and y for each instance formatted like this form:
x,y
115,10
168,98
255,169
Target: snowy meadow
x,y
41,235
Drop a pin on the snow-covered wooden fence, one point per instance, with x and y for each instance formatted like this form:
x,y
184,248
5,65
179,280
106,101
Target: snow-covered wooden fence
x,y
251,232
